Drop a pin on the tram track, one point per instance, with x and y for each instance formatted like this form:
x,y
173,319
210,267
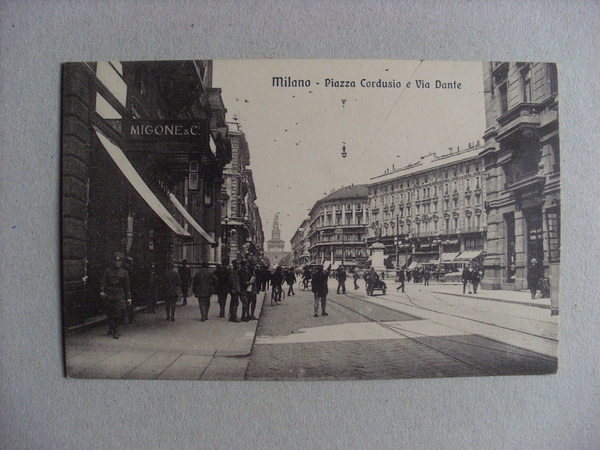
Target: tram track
x,y
406,336
410,299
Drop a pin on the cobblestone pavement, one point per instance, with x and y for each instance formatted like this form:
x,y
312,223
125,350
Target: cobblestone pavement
x,y
291,344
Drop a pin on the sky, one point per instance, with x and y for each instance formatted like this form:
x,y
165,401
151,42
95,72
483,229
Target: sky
x,y
295,134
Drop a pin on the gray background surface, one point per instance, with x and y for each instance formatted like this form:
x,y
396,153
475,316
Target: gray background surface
x,y
39,408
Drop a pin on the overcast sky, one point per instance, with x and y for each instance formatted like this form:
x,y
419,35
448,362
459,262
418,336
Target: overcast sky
x,y
295,134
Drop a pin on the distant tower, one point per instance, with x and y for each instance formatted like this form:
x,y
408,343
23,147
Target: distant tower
x,y
275,244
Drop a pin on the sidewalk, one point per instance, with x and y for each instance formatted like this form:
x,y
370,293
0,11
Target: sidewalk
x,y
153,348
517,297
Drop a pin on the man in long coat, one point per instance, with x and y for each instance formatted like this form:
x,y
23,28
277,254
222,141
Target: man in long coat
x,y
202,287
320,289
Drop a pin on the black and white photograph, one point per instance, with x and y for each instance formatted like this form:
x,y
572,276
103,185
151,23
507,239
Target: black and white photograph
x,y
315,219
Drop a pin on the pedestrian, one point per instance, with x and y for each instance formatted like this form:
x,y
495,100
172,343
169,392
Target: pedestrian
x,y
252,290
534,274
401,279
115,291
475,278
277,278
265,278
244,280
185,275
234,286
341,279
355,279
171,290
320,289
202,286
426,277
290,279
466,278
153,289
383,275
222,286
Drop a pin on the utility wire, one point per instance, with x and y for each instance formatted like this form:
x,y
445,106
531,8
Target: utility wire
x,y
385,119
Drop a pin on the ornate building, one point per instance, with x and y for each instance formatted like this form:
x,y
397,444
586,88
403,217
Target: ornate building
x,y
242,233
300,244
337,227
522,168
275,246
430,212
143,148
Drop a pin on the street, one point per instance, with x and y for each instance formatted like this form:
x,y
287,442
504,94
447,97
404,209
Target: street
x,y
428,331
421,333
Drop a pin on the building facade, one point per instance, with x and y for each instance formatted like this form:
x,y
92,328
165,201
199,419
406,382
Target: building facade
x,y
300,244
241,225
143,149
430,212
522,167
338,226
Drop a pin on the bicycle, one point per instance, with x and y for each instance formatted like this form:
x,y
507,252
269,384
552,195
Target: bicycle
x,y
543,288
305,285
277,295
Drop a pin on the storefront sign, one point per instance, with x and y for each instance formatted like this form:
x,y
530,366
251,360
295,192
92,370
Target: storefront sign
x,y
166,130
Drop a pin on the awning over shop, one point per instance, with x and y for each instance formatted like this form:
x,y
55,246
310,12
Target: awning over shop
x,y
448,257
413,265
335,265
140,186
451,242
468,255
184,212
425,259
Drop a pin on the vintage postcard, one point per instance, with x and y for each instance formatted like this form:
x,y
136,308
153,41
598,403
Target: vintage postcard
x,y
310,219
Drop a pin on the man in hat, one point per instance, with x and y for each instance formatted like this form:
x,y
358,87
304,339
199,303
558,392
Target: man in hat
x,y
172,290
320,289
341,278
534,274
115,291
185,275
234,286
202,287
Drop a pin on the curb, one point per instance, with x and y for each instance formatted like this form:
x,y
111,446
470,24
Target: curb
x,y
536,305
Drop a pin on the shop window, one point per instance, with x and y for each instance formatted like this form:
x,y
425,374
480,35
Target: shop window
x,y
553,226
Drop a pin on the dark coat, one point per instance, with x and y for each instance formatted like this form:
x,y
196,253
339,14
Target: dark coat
x,y
534,273
185,275
222,284
466,275
115,284
172,283
204,283
319,282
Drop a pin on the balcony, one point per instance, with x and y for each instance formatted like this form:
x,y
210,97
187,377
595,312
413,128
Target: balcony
x,y
526,182
522,119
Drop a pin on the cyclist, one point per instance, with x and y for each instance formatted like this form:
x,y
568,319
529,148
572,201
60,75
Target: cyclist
x,y
276,282
306,276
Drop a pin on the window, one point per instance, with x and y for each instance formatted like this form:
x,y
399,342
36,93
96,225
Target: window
x,y
526,85
456,223
503,98
552,75
446,188
447,224
555,149
455,186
